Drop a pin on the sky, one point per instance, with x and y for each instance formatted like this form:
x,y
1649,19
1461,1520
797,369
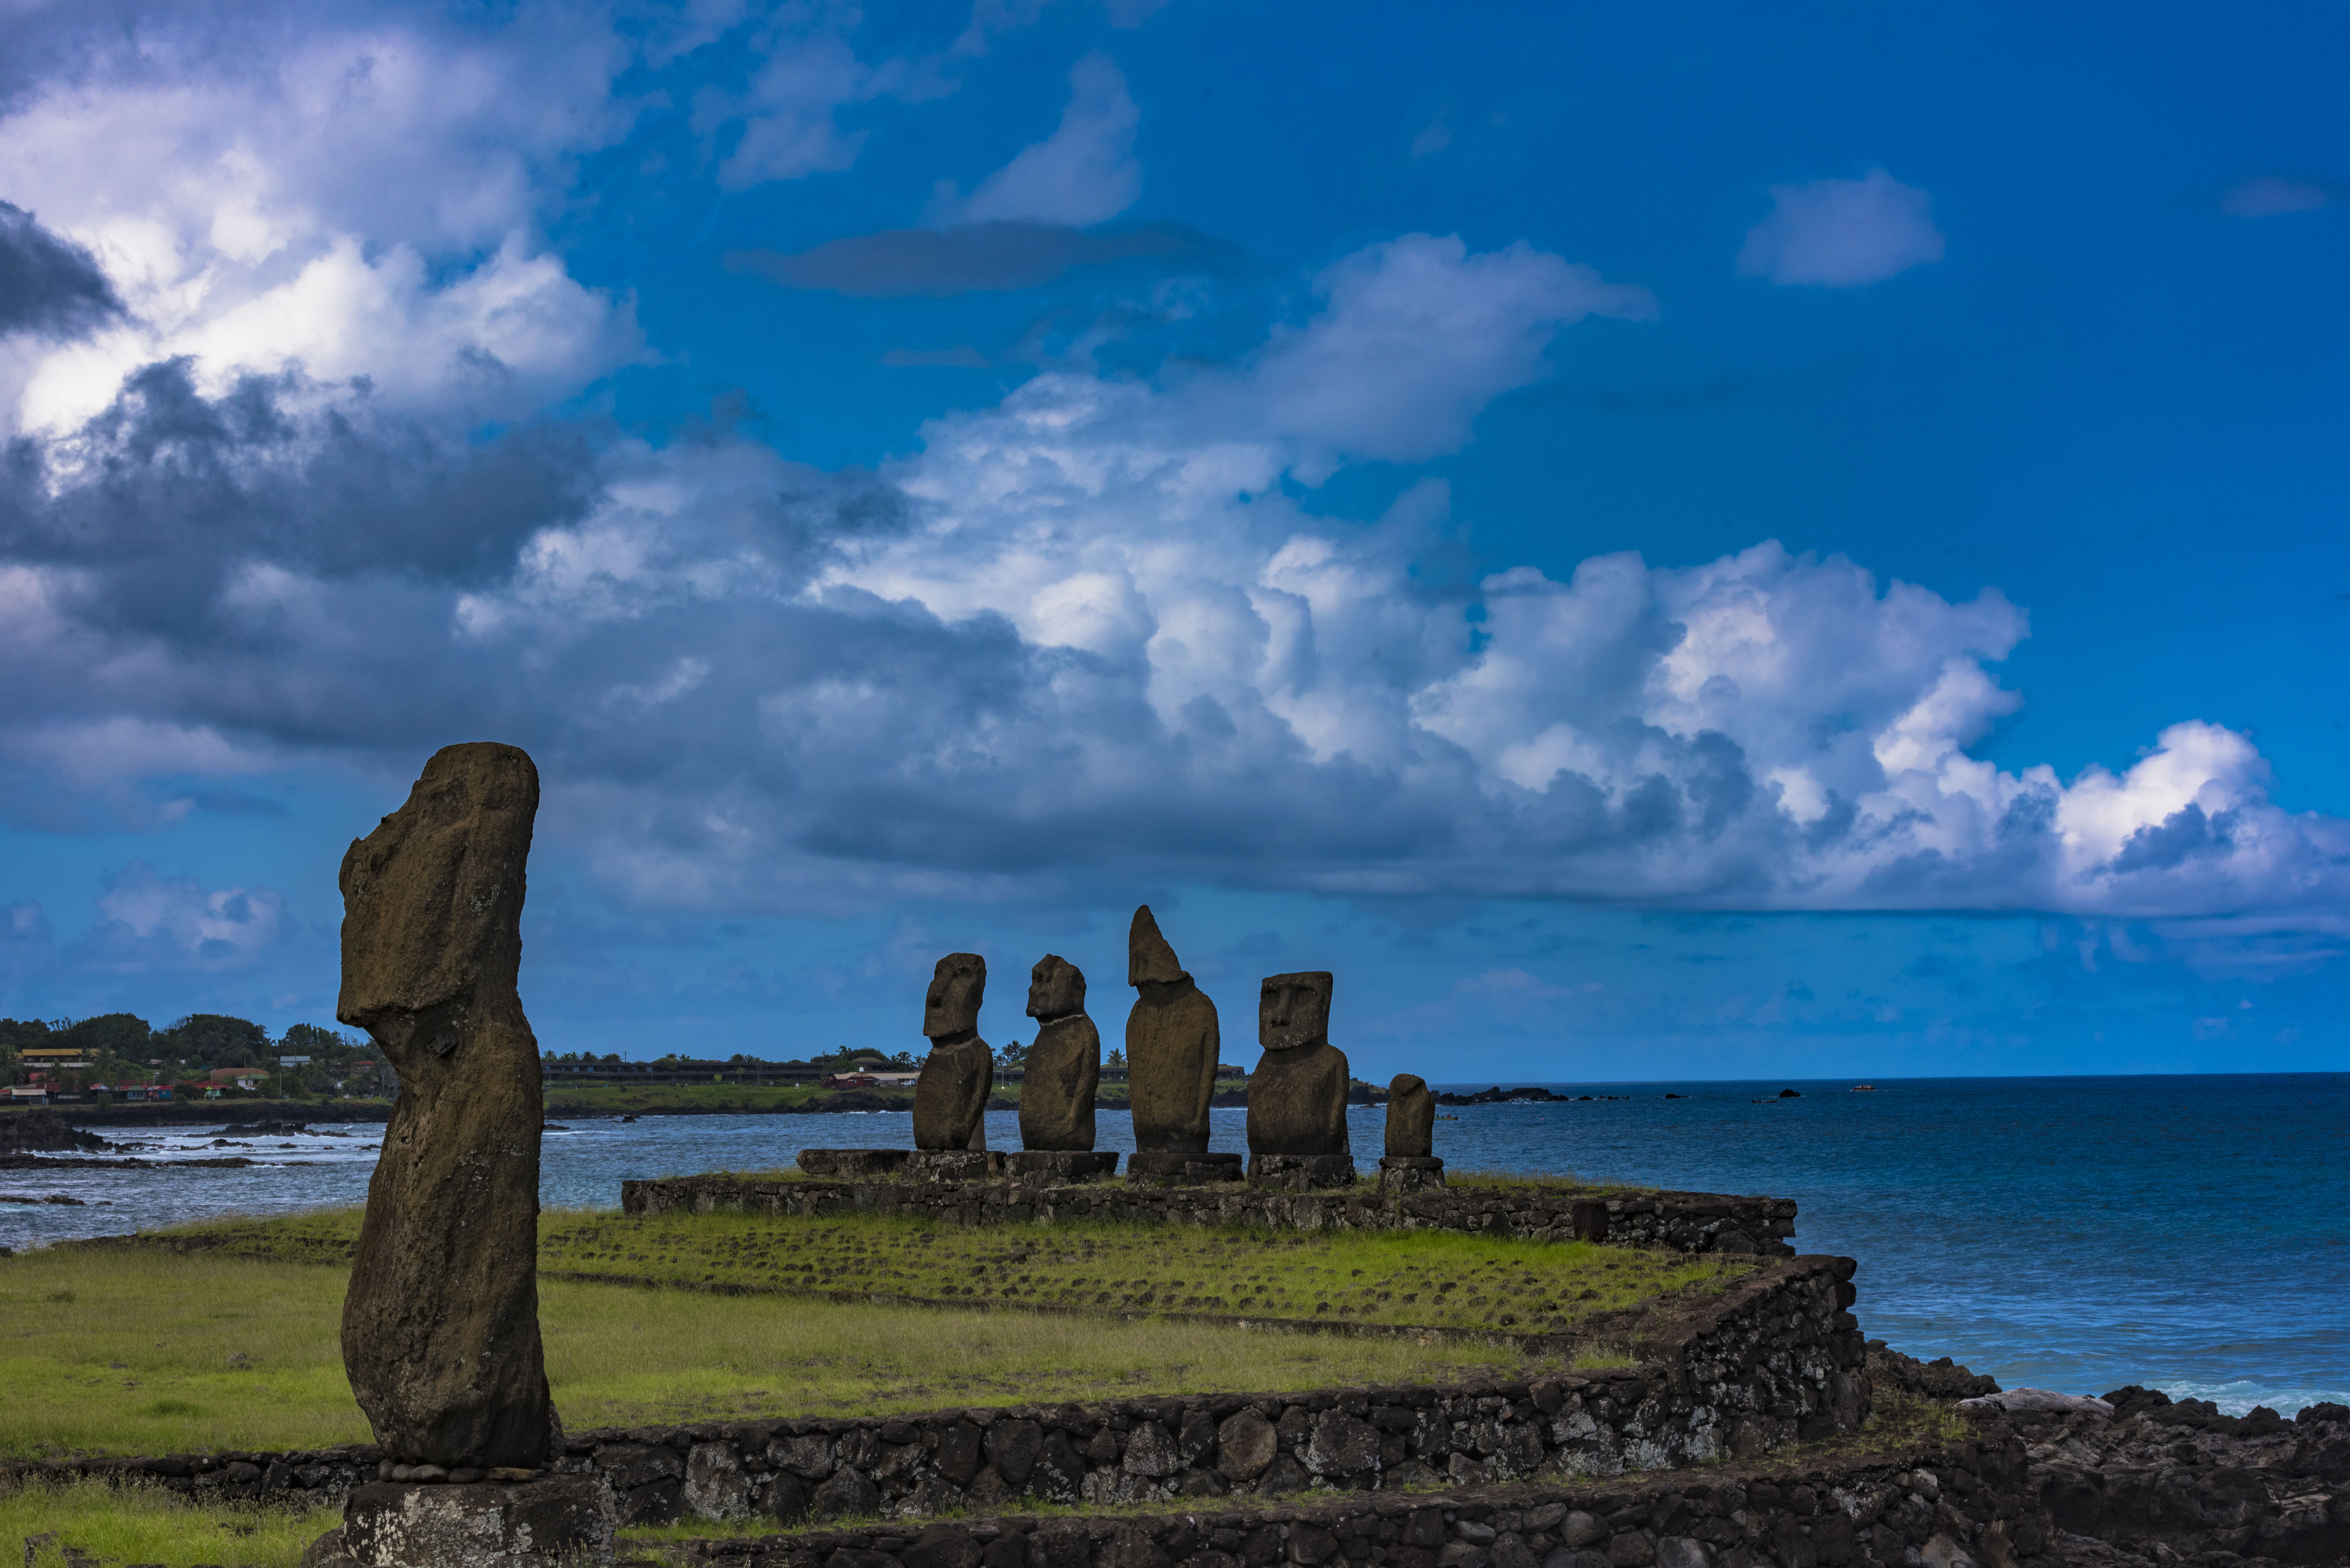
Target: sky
x,y
1660,540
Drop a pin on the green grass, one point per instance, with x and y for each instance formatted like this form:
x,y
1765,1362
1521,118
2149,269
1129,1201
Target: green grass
x,y
1417,1279
1393,1278
144,1523
148,1351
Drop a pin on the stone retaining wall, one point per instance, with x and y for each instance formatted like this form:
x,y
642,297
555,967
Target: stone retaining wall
x,y
1772,1359
1960,1504
1686,1221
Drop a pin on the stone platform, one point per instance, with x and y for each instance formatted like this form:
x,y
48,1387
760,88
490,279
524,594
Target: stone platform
x,y
562,1522
1301,1172
1058,1164
954,1165
848,1164
1180,1168
1400,1173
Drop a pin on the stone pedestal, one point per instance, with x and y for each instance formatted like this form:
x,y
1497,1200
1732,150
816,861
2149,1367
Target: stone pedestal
x,y
562,1522
848,1164
1401,1173
1042,1165
1180,1168
954,1165
1301,1172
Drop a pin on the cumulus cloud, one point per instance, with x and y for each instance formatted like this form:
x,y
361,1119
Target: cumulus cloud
x,y
1084,636
361,199
1842,234
968,258
149,923
1084,174
48,286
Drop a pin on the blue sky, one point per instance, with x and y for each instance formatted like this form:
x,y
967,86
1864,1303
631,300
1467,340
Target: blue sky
x,y
1653,541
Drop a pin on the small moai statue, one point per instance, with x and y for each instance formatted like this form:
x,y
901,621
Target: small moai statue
x,y
1064,1066
1172,1042
1412,1118
950,1094
1297,1096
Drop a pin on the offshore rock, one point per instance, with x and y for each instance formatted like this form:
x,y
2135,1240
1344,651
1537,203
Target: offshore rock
x,y
950,1094
1297,1096
1064,1066
1412,1118
1172,1041
441,1324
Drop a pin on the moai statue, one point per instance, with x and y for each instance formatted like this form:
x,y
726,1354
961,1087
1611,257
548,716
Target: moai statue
x,y
1297,1096
1064,1066
950,1094
1170,1045
441,1322
1412,1118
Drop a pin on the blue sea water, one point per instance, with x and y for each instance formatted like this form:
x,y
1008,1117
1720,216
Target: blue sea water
x,y
2189,1233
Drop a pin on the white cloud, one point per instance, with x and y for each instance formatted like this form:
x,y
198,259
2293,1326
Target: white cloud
x,y
1084,174
789,113
1841,234
1469,327
2271,196
150,923
363,202
1089,633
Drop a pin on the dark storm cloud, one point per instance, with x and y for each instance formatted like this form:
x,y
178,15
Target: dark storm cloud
x,y
48,286
977,257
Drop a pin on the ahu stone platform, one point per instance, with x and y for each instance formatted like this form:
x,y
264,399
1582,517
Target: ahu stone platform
x,y
1685,1221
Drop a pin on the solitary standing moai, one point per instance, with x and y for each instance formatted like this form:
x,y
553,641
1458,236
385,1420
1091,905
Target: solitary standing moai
x,y
441,1324
1411,1118
1170,1045
1297,1096
1063,1068
950,1094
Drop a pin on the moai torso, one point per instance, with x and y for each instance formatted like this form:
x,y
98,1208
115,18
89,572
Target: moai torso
x,y
951,1093
1063,1069
1297,1096
1411,1116
1171,1042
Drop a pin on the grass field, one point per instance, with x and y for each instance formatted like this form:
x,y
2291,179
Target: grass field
x,y
136,1523
1418,1279
148,1351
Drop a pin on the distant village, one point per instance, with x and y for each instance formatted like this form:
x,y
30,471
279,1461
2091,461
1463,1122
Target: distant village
x,y
120,1058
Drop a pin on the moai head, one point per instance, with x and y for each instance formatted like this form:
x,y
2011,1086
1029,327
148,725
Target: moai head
x,y
951,1005
1293,1011
1149,960
1056,988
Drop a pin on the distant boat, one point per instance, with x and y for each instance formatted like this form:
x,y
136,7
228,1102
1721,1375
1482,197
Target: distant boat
x,y
1864,1088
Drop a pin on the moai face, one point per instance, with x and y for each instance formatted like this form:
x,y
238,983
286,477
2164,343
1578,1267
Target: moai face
x,y
951,1004
1293,1011
1056,988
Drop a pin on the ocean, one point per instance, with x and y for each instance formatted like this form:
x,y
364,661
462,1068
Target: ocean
x,y
2187,1233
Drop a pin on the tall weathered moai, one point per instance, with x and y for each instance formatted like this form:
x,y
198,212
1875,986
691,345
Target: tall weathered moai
x,y
1172,1042
1063,1068
1297,1096
951,1093
441,1324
